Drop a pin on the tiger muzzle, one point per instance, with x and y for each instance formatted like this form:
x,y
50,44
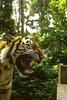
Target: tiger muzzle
x,y
25,61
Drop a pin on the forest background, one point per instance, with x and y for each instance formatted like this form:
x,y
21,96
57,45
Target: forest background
x,y
46,22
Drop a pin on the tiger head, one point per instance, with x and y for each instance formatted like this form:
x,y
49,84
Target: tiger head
x,y
23,53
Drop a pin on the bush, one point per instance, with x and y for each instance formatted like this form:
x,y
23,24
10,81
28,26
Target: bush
x,y
39,86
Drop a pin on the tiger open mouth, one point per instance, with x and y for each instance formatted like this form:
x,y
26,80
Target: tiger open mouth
x,y
24,62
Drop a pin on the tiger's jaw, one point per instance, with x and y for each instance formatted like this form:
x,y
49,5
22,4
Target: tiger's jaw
x,y
24,62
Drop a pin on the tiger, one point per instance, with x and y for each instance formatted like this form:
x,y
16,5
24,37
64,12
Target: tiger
x,y
20,53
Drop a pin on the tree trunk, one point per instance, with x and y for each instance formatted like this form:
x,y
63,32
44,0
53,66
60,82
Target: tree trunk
x,y
21,9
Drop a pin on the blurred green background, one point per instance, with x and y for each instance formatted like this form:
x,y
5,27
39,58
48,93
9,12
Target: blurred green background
x,y
46,22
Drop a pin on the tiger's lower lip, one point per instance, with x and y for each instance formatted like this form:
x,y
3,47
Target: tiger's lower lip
x,y
29,71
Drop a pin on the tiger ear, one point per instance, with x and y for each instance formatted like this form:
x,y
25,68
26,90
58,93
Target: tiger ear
x,y
10,38
7,37
16,39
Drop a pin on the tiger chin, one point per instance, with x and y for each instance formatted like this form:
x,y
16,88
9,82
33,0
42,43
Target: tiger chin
x,y
20,53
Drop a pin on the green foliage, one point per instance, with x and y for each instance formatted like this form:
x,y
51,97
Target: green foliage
x,y
7,24
41,85
52,38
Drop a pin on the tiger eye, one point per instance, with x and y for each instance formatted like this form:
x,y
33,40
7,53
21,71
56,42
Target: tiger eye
x,y
5,67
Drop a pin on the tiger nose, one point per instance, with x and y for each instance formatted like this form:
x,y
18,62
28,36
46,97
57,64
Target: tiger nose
x,y
32,55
